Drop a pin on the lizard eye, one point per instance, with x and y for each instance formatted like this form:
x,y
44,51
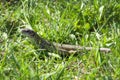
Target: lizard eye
x,y
27,31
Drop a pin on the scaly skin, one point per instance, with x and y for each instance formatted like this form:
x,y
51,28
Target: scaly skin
x,y
44,44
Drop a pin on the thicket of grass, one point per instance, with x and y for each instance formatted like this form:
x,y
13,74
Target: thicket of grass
x,y
92,23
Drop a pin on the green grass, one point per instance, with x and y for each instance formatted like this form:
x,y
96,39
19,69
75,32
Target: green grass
x,y
92,23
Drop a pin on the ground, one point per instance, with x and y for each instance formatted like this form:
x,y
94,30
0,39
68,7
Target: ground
x,y
93,23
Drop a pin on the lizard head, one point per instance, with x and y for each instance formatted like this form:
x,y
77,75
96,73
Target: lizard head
x,y
29,33
34,37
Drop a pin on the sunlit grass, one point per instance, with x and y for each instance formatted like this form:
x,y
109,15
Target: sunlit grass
x,y
91,23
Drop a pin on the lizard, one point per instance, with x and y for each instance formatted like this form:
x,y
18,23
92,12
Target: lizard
x,y
52,46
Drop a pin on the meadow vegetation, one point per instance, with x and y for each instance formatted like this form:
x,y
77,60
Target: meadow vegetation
x,y
94,23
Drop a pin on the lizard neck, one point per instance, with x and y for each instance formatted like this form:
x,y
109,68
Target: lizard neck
x,y
36,39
